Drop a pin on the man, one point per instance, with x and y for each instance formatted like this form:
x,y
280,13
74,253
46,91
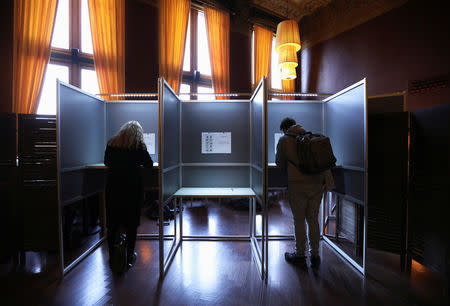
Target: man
x,y
305,194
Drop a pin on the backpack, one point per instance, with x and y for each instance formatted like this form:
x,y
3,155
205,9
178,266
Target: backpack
x,y
314,152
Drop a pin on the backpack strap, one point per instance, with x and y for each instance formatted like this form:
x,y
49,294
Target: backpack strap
x,y
291,135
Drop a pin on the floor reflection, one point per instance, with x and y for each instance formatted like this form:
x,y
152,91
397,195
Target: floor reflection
x,y
145,252
200,266
225,217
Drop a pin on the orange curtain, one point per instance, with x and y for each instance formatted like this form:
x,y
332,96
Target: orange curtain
x,y
288,86
218,28
107,19
33,27
262,53
174,16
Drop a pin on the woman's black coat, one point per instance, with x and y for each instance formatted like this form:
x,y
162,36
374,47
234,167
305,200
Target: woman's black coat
x,y
124,189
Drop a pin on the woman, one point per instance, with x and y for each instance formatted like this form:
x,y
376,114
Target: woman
x,y
124,155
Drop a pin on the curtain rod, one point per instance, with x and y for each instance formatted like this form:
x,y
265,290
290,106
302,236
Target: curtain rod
x,y
199,5
258,23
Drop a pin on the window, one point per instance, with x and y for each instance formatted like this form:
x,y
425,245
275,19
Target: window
x,y
183,89
275,77
71,56
47,103
197,64
89,81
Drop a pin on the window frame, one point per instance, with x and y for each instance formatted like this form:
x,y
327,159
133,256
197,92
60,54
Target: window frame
x,y
73,57
192,77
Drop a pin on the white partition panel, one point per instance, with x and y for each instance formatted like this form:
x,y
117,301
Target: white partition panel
x,y
81,126
169,142
80,142
218,167
346,126
258,172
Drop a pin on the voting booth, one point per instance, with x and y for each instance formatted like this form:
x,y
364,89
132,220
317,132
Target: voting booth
x,y
213,149
85,123
343,118
218,149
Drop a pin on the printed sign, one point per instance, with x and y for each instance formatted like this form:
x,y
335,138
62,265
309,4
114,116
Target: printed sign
x,y
277,137
149,139
216,143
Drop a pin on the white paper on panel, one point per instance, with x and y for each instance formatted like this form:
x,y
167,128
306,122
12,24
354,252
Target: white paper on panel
x,y
214,143
277,137
149,139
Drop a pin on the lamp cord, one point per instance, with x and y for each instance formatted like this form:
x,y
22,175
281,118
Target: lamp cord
x,y
287,11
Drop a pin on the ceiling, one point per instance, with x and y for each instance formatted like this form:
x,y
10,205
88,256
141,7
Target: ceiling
x,y
290,9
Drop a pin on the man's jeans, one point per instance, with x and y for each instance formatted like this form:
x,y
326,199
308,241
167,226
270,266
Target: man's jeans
x,y
305,203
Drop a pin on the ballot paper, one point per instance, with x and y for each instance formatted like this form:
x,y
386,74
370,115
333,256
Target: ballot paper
x,y
149,139
277,137
216,143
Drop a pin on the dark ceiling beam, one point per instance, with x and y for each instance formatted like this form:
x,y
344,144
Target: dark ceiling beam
x,y
253,13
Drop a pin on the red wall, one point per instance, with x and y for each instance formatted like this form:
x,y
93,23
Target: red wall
x,y
240,62
408,43
6,54
141,47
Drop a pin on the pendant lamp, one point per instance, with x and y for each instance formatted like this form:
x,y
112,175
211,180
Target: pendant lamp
x,y
287,62
288,73
287,45
287,57
287,35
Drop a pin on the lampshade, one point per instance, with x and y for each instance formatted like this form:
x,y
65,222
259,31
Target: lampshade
x,y
287,35
287,57
288,73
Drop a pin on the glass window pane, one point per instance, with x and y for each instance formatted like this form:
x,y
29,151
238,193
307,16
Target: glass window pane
x,y
187,49
89,81
206,90
60,38
86,38
203,59
47,101
275,78
185,88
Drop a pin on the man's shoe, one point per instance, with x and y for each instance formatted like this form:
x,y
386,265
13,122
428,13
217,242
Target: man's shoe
x,y
132,260
315,261
295,259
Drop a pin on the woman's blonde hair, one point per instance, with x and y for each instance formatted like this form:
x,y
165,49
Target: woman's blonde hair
x,y
130,136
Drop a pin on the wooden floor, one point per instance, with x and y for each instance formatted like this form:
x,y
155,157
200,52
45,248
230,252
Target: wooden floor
x,y
219,273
